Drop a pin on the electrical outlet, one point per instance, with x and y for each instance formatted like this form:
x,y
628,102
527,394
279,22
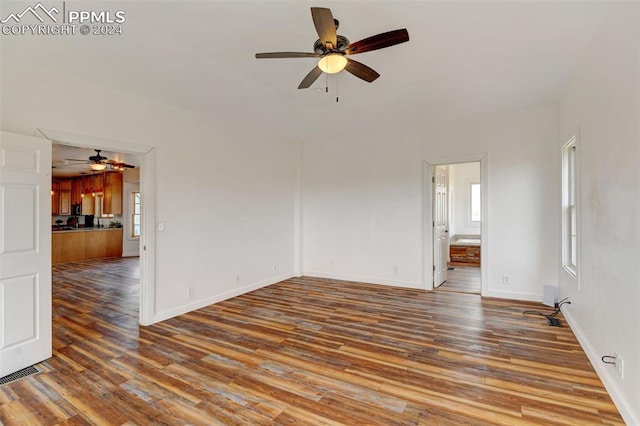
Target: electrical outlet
x,y
275,268
333,265
237,278
395,269
506,279
619,366
192,292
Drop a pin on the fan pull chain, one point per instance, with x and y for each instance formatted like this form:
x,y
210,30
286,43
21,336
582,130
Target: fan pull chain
x,y
326,83
337,85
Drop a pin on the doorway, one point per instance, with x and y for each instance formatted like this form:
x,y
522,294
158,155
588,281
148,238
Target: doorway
x,y
146,185
455,215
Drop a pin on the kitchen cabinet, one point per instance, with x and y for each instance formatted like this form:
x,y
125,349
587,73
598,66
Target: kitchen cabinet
x,y
88,204
77,245
98,182
65,203
61,197
76,191
66,185
55,198
112,200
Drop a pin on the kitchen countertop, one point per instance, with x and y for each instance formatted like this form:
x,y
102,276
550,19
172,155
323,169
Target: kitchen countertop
x,y
60,231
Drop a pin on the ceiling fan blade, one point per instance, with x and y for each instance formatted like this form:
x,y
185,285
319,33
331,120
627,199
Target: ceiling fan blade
x,y
310,78
378,41
361,70
75,159
325,26
276,55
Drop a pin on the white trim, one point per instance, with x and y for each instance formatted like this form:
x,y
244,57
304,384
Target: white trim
x,y
297,213
148,239
171,313
365,279
427,214
528,297
605,373
569,267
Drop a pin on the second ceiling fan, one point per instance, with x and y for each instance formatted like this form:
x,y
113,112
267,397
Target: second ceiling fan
x,y
332,49
99,162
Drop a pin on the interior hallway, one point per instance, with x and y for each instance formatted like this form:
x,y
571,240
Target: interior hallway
x,y
462,279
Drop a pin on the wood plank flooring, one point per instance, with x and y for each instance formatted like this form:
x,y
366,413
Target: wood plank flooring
x,y
462,279
303,351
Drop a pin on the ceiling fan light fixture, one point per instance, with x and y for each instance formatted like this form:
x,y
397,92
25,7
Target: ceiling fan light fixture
x,y
98,166
332,63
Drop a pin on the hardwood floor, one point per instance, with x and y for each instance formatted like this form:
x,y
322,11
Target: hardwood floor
x,y
462,279
303,351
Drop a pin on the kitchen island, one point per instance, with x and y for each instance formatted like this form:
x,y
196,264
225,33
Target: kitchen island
x,y
79,244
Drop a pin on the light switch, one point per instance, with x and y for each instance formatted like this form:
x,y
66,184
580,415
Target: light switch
x,y
161,226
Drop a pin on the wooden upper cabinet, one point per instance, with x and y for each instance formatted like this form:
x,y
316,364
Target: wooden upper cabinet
x,y
65,203
66,184
113,194
61,200
76,191
55,198
98,182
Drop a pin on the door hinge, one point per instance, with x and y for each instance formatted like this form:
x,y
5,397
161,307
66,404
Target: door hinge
x,y
434,268
433,179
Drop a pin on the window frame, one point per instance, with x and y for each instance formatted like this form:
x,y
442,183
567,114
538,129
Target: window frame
x,y
134,214
570,211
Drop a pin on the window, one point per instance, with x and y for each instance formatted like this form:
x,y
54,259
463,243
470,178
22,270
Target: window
x,y
135,215
569,208
474,203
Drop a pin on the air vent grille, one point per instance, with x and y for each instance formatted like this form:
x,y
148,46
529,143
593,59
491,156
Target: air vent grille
x,y
18,375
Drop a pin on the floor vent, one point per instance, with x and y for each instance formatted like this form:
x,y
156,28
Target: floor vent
x,y
18,375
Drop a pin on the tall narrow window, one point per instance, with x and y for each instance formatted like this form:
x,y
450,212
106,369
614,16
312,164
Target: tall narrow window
x,y
569,205
475,202
135,214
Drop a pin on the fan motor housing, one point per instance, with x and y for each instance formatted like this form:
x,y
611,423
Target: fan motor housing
x,y
320,49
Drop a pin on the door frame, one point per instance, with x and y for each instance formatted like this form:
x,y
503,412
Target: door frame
x,y
434,208
427,214
148,189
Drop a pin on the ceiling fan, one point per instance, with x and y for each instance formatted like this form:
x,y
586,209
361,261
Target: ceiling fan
x,y
333,48
99,162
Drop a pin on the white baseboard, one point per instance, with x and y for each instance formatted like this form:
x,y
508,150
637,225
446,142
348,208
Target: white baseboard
x,y
165,315
527,297
605,372
364,279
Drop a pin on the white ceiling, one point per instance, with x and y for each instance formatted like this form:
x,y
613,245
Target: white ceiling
x,y
463,58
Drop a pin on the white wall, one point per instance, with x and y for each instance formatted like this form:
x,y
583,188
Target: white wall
x,y
461,176
601,106
224,194
363,211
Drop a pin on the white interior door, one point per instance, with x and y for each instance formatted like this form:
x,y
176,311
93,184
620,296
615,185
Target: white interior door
x,y
25,251
440,225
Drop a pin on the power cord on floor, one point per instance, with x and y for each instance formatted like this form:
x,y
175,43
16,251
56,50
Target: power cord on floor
x,y
552,316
